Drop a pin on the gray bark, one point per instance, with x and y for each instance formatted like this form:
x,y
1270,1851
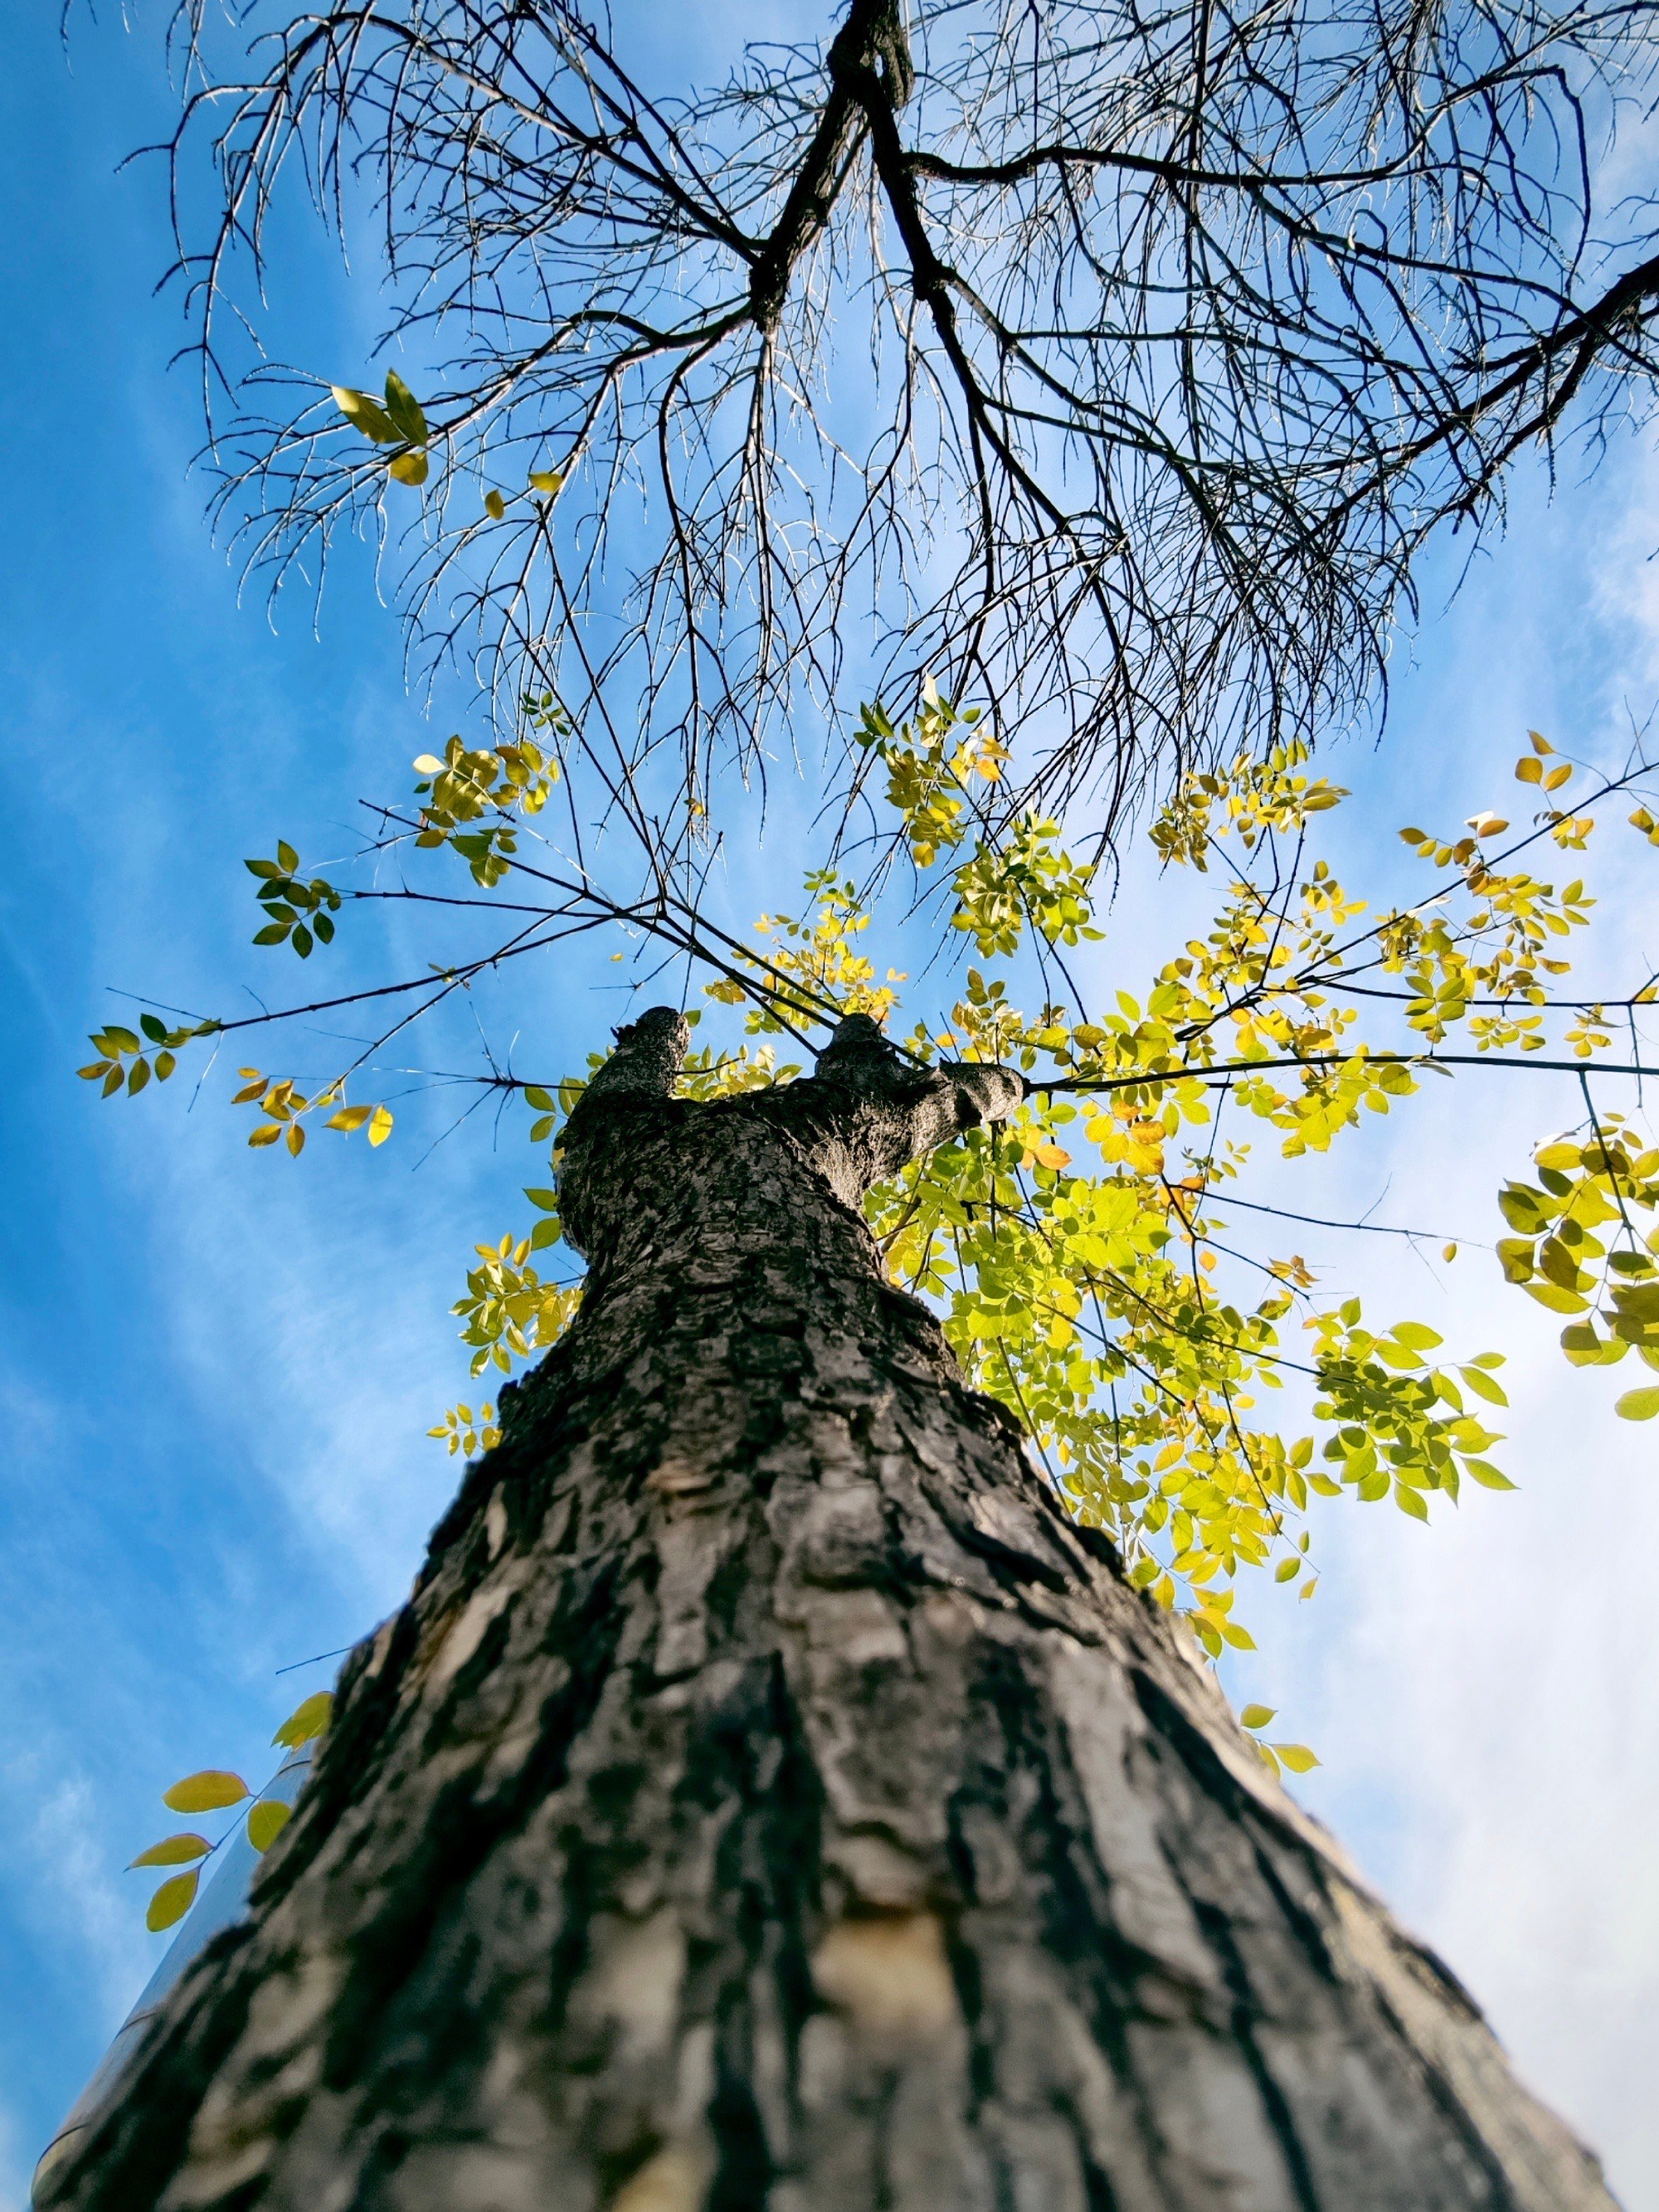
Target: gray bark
x,y
769,1800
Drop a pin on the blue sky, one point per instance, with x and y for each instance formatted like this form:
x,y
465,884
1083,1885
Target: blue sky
x,y
217,1369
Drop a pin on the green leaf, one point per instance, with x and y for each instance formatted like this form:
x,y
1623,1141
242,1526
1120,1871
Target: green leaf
x,y
1638,1405
1417,1333
1556,1299
155,1030
546,1201
408,468
206,1791
172,1901
273,933
1410,1501
1487,1475
174,1851
306,1720
533,1093
1515,1256
365,414
267,1821
1483,1385
404,410
1257,1717
287,858
1523,1208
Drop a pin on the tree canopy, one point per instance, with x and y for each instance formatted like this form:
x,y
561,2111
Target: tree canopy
x,y
1078,387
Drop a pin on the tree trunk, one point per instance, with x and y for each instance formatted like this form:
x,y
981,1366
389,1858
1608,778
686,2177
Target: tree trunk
x,y
769,1800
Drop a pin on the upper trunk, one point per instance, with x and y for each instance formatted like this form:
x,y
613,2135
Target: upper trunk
x,y
769,1798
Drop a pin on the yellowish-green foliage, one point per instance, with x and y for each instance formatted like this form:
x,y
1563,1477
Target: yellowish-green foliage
x,y
214,1789
1096,1262
1084,1256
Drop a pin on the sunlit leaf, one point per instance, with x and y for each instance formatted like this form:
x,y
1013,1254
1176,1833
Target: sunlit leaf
x,y
308,1720
404,410
267,1821
172,1901
174,1851
1296,1757
205,1792
365,414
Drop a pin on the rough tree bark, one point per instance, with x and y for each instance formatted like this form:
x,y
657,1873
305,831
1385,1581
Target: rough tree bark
x,y
769,1798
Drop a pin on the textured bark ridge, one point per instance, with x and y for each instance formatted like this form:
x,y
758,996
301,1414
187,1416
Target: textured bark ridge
x,y
770,1802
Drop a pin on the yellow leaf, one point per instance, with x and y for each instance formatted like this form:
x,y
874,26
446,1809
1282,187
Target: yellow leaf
x,y
1256,1716
1449,1251
172,1901
296,1137
1296,1757
306,1720
1527,770
266,1822
1561,1157
1051,1156
495,506
174,1851
1540,744
1638,1405
380,1125
206,1791
1487,825
348,1118
267,1133
408,468
547,480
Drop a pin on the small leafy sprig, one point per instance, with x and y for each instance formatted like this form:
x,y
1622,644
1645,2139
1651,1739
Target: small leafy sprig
x,y
471,781
283,1104
124,1061
400,420
1295,1756
296,912
464,1431
215,1789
